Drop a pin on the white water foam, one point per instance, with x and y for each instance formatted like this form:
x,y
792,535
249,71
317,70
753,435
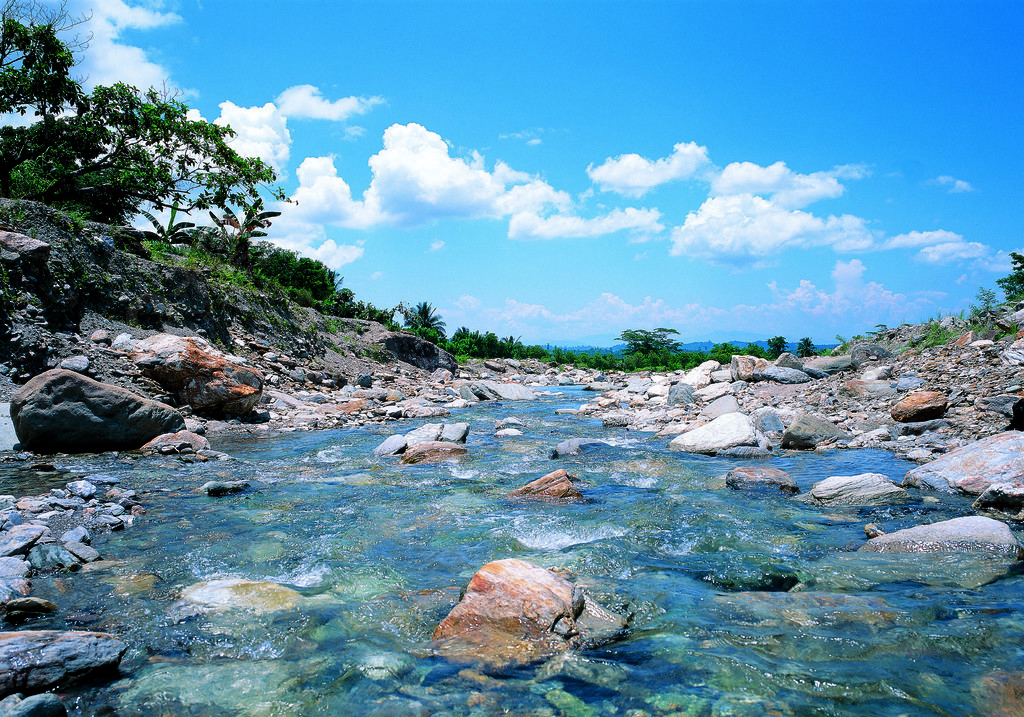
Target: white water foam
x,y
564,535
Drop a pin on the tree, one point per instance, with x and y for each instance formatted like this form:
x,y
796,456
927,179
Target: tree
x,y
424,316
1013,285
986,302
806,347
109,153
643,341
238,232
776,345
173,233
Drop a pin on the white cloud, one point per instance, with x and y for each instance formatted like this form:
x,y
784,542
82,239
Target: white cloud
x,y
468,302
633,175
785,187
949,252
307,102
533,142
916,238
259,132
534,226
436,245
325,198
108,59
376,275
332,254
952,184
744,228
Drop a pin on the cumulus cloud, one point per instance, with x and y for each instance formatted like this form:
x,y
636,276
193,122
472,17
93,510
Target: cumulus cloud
x,y
633,176
307,102
916,239
952,184
949,252
785,187
744,227
534,226
468,302
260,132
109,59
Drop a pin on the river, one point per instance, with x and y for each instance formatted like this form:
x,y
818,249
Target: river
x,y
378,551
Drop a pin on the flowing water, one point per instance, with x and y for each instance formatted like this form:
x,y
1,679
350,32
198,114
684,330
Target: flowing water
x,y
377,553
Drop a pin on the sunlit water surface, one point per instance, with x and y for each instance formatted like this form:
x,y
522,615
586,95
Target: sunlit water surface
x,y
379,552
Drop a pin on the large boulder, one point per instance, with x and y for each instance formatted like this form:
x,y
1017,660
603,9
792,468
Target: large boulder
x,y
727,431
198,374
781,374
681,394
721,406
239,594
919,406
970,534
973,468
700,376
863,489
788,360
829,364
418,352
495,391
513,611
65,412
36,660
745,368
33,250
807,431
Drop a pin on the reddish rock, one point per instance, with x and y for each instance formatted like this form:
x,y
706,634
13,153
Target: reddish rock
x,y
919,406
747,477
556,485
973,468
432,452
32,249
515,611
350,407
966,339
198,374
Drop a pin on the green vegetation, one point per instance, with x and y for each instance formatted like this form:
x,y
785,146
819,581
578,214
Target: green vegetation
x,y
639,341
776,346
805,348
1013,284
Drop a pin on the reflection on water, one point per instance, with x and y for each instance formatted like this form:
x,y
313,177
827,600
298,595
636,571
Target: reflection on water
x,y
742,603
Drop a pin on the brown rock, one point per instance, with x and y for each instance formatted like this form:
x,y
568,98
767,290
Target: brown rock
x,y
198,374
515,611
747,477
966,339
432,452
556,485
180,442
919,406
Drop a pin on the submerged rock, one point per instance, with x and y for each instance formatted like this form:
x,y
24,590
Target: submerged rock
x,y
970,534
65,412
556,485
513,611
432,452
236,593
36,660
576,446
973,468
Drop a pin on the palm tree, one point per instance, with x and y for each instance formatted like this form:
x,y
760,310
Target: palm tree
x,y
805,348
424,316
461,333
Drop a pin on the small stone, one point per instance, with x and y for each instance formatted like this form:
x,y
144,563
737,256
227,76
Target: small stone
x,y
556,485
30,605
218,488
77,535
82,488
79,364
82,551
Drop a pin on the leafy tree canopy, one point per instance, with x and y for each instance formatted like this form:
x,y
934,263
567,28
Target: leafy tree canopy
x,y
805,348
654,341
776,345
110,152
1013,285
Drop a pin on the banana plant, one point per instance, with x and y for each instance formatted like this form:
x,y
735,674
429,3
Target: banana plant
x,y
173,233
238,232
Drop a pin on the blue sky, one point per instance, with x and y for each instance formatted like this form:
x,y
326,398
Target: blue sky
x,y
562,171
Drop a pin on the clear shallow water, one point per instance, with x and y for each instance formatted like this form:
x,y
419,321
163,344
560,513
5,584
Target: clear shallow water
x,y
378,553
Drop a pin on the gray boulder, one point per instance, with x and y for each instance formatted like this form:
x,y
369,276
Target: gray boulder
x,y
454,432
64,412
419,352
1006,498
781,374
760,477
830,364
46,704
495,391
727,431
973,468
788,360
807,431
721,406
863,489
681,394
36,660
